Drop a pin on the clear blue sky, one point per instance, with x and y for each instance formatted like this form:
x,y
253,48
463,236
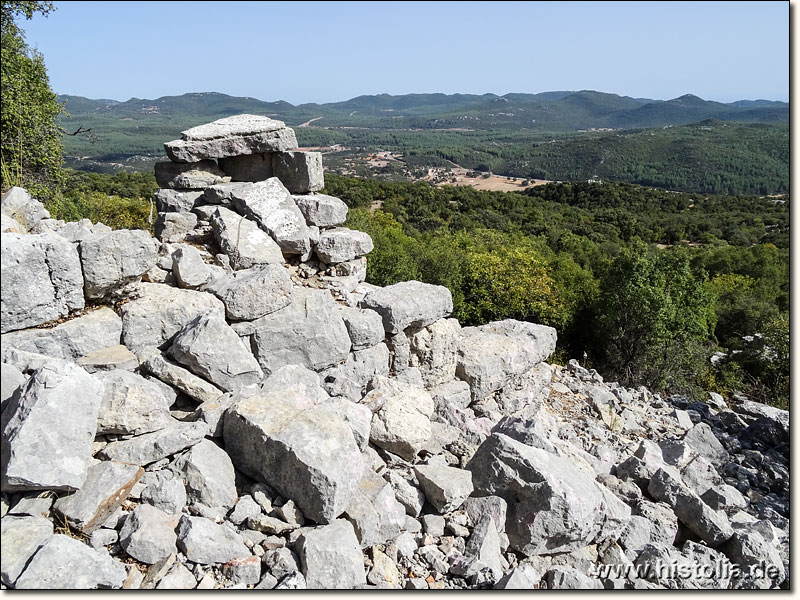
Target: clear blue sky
x,y
324,52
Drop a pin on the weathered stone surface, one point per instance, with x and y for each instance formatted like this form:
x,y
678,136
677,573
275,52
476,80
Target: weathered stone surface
x,y
271,206
255,292
169,373
190,176
131,404
207,543
308,332
177,201
208,347
189,268
248,167
93,331
167,493
179,578
409,303
106,487
22,537
115,259
552,505
406,494
109,359
243,241
160,312
351,379
17,204
148,534
357,416
208,473
445,488
702,441
523,577
401,423
713,527
491,355
364,326
150,447
10,225
64,563
374,511
11,379
663,522
724,497
341,244
42,280
243,571
484,544
331,557
231,136
62,400
569,578
286,438
299,171
171,227
321,210
759,561
494,506
433,351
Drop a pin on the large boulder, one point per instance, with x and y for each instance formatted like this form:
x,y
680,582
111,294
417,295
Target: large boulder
x,y
231,136
271,205
401,423
243,241
286,438
115,259
308,332
49,428
491,355
18,205
341,245
131,404
301,172
208,347
446,488
161,311
148,534
252,293
208,473
247,167
433,351
553,506
192,176
409,303
42,280
364,326
178,201
321,210
93,331
22,538
331,557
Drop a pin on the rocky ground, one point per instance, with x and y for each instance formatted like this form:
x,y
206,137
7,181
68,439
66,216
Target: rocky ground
x,y
231,406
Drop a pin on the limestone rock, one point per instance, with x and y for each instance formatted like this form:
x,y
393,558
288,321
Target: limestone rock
x,y
160,312
248,167
401,423
255,292
42,280
114,259
189,268
433,351
171,227
341,245
271,206
209,474
446,488
64,563
211,349
109,359
231,136
22,538
491,355
106,487
170,374
245,243
167,493
308,332
374,511
61,400
131,404
331,557
207,543
300,172
286,438
351,379
177,201
321,210
18,205
93,331
192,176
150,447
702,441
148,534
409,303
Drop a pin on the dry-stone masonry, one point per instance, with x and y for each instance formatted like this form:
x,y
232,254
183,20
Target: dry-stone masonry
x,y
230,405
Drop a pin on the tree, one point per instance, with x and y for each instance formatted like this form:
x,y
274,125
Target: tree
x,y
31,147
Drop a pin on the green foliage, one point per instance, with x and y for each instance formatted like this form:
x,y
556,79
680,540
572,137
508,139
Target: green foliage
x,y
30,142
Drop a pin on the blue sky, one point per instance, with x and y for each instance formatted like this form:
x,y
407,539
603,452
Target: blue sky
x,y
329,51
